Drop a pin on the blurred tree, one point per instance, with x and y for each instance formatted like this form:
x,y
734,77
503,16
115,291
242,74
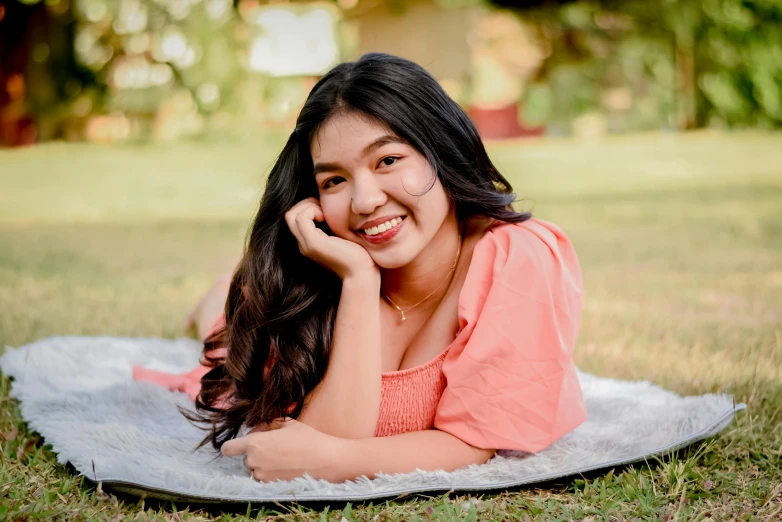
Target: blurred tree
x,y
684,63
740,61
148,51
673,23
179,67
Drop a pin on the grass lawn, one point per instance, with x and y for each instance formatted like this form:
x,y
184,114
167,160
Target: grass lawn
x,y
680,239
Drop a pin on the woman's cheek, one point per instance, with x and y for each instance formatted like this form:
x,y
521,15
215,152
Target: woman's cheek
x,y
415,181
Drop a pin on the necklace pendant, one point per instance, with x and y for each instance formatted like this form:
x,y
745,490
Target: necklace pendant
x,y
403,316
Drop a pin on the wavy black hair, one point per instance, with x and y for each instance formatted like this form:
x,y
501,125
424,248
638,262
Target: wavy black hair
x,y
281,306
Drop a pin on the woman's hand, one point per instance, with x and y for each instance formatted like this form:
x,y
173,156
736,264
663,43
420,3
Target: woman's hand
x,y
343,257
287,449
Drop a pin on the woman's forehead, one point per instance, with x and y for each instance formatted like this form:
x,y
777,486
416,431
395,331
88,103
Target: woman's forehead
x,y
347,136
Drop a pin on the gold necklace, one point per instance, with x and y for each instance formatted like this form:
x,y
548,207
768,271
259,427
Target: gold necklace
x,y
450,272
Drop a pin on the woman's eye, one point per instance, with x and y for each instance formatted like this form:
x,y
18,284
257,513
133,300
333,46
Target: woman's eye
x,y
390,160
333,181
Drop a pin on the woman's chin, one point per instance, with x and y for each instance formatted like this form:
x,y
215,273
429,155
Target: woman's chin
x,y
390,262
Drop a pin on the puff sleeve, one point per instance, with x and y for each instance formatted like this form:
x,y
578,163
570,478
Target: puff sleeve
x,y
511,380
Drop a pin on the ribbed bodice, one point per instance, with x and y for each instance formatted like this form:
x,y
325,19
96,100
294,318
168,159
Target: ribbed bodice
x,y
409,398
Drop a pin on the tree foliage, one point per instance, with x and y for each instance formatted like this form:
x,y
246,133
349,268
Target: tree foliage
x,y
683,63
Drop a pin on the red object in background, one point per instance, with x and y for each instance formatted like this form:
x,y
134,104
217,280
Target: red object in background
x,y
19,131
17,124
494,124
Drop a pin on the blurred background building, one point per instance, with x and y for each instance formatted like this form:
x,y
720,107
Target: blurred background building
x,y
142,70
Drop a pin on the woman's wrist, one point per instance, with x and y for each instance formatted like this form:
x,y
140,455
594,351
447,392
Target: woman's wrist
x,y
339,459
368,279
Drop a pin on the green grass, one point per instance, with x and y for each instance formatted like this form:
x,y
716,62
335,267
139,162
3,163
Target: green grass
x,y
680,238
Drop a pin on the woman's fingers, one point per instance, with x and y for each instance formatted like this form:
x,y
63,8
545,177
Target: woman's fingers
x,y
304,204
234,447
271,426
301,221
253,448
309,232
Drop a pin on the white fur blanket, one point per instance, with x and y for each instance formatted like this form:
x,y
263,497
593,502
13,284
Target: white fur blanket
x,y
77,392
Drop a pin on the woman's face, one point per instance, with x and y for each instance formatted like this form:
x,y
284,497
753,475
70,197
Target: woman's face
x,y
373,189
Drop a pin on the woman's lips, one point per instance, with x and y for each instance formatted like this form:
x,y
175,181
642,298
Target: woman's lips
x,y
382,237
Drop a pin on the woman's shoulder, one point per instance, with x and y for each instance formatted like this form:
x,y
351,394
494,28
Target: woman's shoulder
x,y
533,259
533,243
533,233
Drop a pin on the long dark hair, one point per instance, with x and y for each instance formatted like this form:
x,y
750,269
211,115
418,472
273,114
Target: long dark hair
x,y
281,306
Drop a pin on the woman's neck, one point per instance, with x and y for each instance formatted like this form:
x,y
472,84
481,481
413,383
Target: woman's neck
x,y
427,273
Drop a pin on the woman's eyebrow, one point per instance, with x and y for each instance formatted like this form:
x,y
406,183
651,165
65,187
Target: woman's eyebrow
x,y
326,167
382,140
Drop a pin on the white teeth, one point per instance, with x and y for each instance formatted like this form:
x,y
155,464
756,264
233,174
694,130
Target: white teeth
x,y
382,228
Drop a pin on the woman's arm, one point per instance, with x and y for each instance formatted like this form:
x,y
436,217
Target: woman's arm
x,y
426,450
289,449
346,403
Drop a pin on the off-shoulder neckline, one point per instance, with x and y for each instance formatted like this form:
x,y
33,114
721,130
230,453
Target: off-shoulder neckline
x,y
396,374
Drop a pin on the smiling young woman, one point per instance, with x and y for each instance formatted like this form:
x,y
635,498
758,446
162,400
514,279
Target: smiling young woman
x,y
391,310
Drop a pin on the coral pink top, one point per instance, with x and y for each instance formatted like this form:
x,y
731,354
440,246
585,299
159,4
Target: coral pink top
x,y
508,380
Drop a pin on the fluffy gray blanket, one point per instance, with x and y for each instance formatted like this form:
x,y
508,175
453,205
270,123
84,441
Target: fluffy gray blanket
x,y
77,392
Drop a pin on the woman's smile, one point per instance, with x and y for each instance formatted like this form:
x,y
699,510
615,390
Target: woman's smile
x,y
377,234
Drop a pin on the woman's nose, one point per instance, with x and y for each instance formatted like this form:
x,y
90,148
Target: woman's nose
x,y
367,195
